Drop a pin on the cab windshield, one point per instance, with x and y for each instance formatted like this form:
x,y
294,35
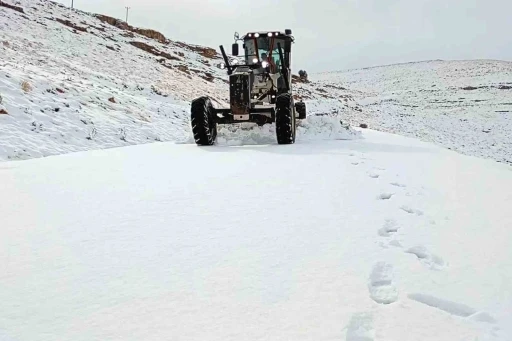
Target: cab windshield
x,y
262,49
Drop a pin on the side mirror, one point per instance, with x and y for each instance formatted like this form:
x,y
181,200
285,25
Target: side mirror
x,y
234,49
288,32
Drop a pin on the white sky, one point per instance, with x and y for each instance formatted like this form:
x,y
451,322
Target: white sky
x,y
334,34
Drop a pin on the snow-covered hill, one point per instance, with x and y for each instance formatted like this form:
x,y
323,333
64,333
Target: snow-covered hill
x,y
73,81
381,238
462,105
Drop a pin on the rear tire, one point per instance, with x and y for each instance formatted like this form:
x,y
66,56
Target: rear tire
x,y
203,124
285,119
301,110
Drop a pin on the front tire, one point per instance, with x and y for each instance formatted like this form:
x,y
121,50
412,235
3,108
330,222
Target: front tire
x,y
203,124
285,119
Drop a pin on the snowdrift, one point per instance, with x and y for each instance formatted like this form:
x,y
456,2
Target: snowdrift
x,y
313,128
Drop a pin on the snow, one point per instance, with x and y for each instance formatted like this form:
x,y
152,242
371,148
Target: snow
x,y
349,234
462,105
313,128
174,241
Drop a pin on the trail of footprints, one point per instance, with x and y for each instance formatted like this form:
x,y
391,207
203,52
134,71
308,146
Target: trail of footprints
x,y
390,227
381,283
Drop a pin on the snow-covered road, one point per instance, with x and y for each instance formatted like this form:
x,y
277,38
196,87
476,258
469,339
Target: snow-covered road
x,y
381,238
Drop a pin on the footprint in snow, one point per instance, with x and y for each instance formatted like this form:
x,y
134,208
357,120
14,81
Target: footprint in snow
x,y
460,310
385,196
376,172
380,284
359,155
391,243
397,184
373,175
395,243
411,210
450,307
427,258
453,308
390,227
360,327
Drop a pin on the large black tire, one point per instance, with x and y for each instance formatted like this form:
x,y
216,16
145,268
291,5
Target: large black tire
x,y
285,119
203,124
301,110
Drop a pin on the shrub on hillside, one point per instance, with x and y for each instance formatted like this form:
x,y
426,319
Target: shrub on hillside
x,y
303,75
25,86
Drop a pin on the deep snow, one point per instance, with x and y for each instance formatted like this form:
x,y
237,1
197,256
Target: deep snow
x,y
379,238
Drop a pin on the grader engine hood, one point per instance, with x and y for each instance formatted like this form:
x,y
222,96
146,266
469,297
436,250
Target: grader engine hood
x,y
240,85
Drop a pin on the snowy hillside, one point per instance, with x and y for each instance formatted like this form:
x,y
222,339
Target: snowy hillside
x,y
72,81
374,239
462,105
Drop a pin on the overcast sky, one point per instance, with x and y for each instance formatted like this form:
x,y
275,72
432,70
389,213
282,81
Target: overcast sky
x,y
334,34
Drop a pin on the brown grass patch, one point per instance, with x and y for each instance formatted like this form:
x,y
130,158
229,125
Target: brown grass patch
x,y
25,86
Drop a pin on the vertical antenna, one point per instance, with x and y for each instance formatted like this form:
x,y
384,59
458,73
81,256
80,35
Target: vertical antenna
x,y
127,8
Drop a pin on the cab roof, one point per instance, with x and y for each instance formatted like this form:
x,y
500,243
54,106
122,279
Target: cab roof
x,y
257,34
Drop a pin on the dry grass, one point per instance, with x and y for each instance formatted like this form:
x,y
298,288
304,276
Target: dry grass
x,y
143,118
25,86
